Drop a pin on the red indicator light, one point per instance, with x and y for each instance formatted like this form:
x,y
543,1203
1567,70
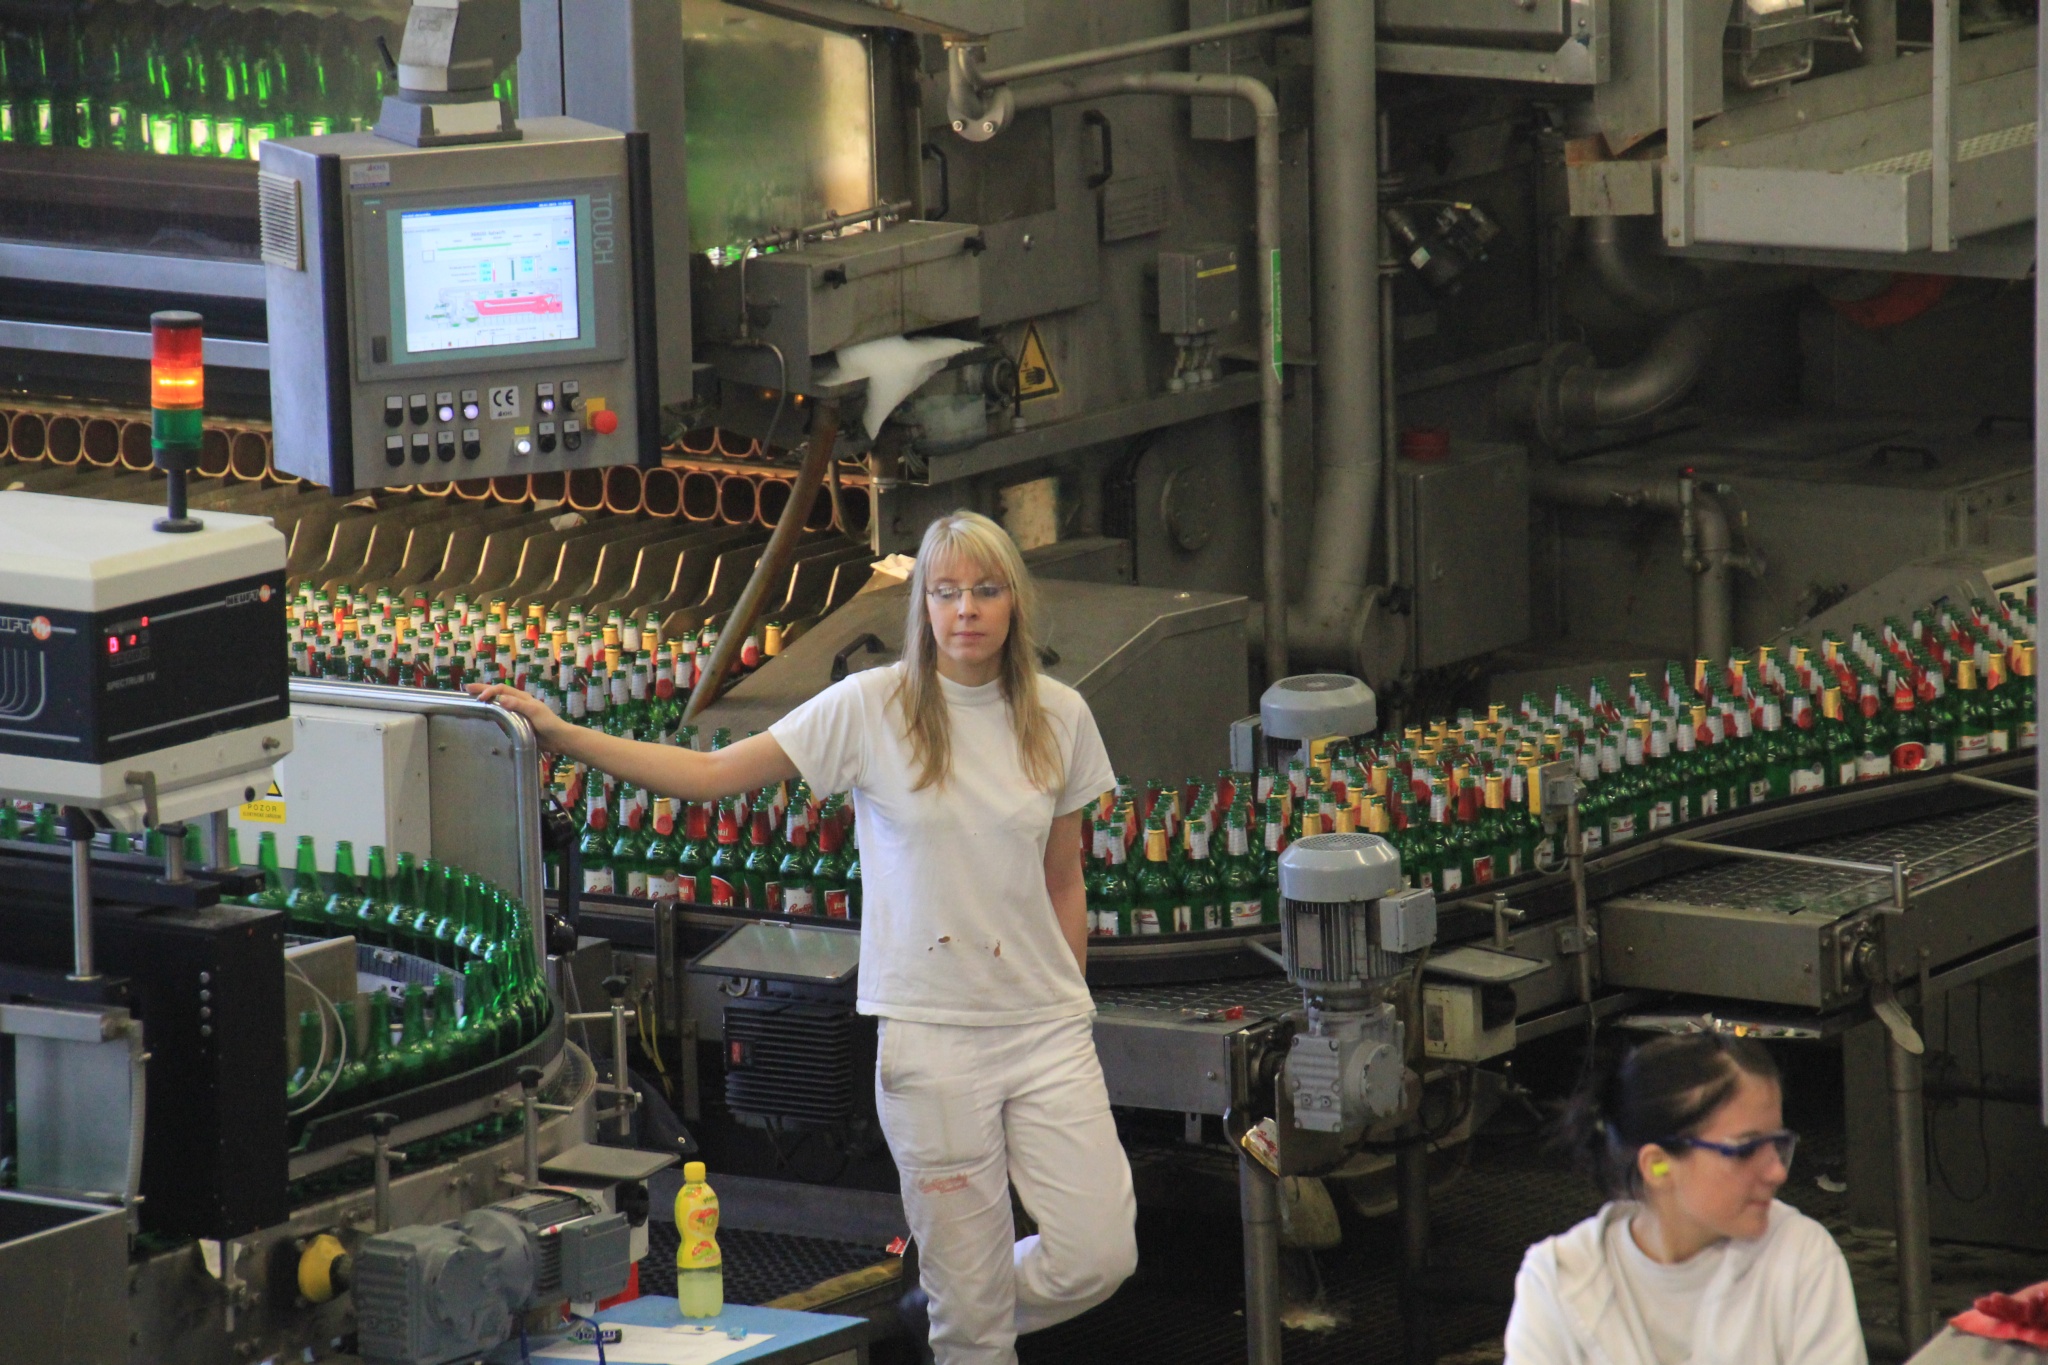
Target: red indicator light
x,y
131,642
145,623
113,644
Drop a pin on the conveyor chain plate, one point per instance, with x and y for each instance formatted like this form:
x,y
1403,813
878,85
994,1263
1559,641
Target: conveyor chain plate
x,y
1933,849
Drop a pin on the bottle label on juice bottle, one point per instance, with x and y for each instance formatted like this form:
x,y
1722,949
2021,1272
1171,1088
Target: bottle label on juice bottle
x,y
699,1253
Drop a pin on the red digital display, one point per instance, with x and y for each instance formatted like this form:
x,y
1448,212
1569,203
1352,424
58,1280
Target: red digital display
x,y
113,644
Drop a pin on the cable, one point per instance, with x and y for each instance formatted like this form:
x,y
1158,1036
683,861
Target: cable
x,y
340,1036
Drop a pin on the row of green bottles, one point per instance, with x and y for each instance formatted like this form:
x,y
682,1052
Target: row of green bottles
x,y
770,875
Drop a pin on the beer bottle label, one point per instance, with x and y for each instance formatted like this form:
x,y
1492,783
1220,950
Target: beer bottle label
x,y
1934,755
636,884
1759,790
1450,879
662,885
838,905
1212,916
1661,814
1972,746
1482,869
1183,919
722,892
2001,741
1808,780
797,900
1145,920
1244,913
772,893
599,879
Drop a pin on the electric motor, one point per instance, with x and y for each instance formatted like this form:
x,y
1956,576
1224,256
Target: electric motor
x,y
1295,712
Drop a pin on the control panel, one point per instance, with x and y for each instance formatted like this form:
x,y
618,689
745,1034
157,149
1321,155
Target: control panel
x,y
459,312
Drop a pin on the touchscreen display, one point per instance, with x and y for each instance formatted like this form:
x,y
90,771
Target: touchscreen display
x,y
490,275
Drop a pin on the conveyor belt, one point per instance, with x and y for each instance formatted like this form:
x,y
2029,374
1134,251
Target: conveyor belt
x,y
1260,997
760,1267
1933,850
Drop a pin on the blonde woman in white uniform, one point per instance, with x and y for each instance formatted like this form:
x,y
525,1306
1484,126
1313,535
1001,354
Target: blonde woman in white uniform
x,y
970,773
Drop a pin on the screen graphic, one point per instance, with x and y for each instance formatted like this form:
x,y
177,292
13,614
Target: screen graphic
x,y
495,275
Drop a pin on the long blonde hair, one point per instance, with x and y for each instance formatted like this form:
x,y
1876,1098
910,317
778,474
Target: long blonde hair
x,y
970,539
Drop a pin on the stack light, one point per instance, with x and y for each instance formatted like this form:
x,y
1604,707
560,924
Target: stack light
x,y
177,382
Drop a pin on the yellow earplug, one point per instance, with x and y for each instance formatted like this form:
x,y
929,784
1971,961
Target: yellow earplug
x,y
1660,1168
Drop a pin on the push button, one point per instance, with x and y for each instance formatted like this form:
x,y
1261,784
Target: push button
x,y
572,435
469,405
572,395
394,451
546,431
444,406
544,398
522,445
472,444
444,445
422,447
604,421
418,402
394,411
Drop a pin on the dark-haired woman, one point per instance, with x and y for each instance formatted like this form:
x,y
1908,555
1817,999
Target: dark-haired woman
x,y
1693,1261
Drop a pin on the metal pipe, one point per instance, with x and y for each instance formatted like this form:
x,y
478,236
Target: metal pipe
x,y
1942,108
773,565
2002,788
78,829
217,839
1140,47
1909,1172
1347,329
1654,382
1889,871
1390,427
1258,1205
174,852
1711,556
1582,914
1266,116
1411,1169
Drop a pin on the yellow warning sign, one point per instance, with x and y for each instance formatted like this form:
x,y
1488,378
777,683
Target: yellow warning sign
x,y
1035,378
268,811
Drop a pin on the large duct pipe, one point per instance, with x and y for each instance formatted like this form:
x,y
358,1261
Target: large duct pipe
x,y
511,489
548,486
1708,548
66,437
661,493
1568,391
739,501
26,437
248,454
586,490
102,440
1347,336
473,490
1630,265
624,490
700,496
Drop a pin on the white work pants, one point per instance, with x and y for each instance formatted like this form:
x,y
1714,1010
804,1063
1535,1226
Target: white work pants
x,y
971,1111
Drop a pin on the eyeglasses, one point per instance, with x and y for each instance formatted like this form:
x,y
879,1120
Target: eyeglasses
x,y
1785,1141
946,594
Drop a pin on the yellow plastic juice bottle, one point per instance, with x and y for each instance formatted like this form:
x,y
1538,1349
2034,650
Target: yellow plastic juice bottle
x,y
700,1269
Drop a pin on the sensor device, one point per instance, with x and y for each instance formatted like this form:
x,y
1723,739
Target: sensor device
x,y
459,312
142,674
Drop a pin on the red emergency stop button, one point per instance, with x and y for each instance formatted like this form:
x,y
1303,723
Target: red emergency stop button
x,y
604,421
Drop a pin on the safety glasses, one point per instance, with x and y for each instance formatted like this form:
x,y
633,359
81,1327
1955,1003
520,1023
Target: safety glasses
x,y
1785,1141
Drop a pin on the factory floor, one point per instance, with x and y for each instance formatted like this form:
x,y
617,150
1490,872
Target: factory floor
x,y
1490,1200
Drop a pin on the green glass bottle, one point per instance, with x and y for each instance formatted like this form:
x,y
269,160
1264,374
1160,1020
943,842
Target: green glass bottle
x,y
344,904
451,922
828,868
1836,740
374,908
761,866
2001,700
272,896
1772,781
305,1078
693,879
1809,756
398,918
794,893
1872,734
478,1041
412,1057
853,874
1908,731
10,821
444,1041
595,848
350,1085
1973,715
662,858
378,1057
1244,907
1200,905
1154,888
728,859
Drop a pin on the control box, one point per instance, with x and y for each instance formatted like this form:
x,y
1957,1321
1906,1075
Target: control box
x,y
459,312
139,667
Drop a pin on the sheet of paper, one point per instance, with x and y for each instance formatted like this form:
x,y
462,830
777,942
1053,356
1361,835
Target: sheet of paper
x,y
683,1345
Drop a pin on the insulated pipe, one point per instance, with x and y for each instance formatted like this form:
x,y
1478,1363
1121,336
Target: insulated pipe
x,y
739,502
710,439
1347,334
1266,115
586,490
511,488
67,440
772,568
473,490
550,485
1703,527
771,500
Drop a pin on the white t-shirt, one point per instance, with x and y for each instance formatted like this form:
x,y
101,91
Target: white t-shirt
x,y
956,923
1662,1300
1582,1298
